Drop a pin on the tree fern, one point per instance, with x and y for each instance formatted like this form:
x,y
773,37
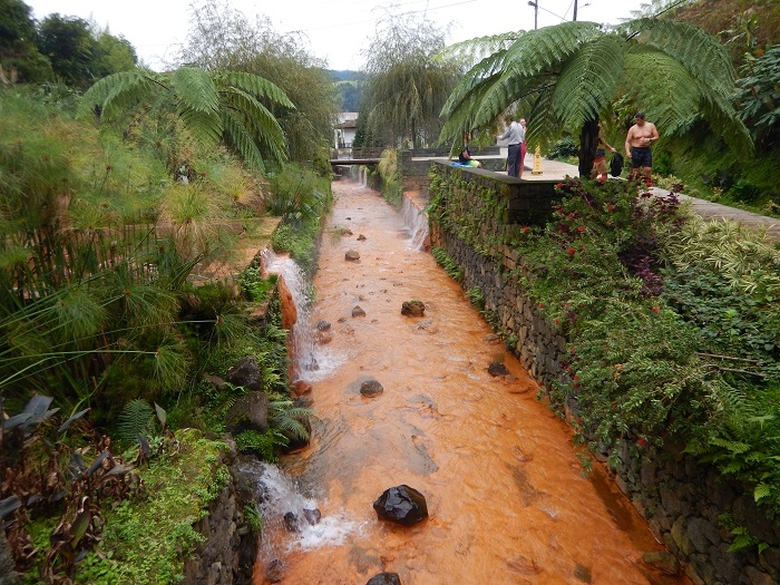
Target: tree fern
x,y
212,105
569,74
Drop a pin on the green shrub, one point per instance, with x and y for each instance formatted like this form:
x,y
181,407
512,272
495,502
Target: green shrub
x,y
146,542
445,261
563,149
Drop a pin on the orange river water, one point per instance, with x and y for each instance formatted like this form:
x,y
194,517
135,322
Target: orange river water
x,y
507,499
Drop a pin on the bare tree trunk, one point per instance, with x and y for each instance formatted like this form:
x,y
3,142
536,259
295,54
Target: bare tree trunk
x,y
589,141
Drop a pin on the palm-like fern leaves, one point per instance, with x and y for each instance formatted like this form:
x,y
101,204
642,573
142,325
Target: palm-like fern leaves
x,y
567,75
228,105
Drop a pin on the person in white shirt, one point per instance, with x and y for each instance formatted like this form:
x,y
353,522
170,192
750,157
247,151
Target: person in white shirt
x,y
515,135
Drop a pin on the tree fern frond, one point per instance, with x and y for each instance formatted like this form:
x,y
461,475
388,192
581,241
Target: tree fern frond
x,y
462,116
472,51
547,48
479,74
675,98
195,90
258,120
253,84
700,53
240,140
546,125
206,126
588,81
116,93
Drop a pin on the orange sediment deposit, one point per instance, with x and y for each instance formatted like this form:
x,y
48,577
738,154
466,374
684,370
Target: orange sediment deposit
x,y
507,501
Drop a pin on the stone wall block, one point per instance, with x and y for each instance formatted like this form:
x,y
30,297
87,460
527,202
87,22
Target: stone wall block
x,y
757,577
703,534
769,561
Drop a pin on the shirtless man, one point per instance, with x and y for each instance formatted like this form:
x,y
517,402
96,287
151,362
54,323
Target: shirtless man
x,y
638,140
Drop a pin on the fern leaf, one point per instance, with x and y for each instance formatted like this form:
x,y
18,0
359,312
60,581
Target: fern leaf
x,y
588,81
117,93
253,84
195,90
239,139
675,97
135,419
472,51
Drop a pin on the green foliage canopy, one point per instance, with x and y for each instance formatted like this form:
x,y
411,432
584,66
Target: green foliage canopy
x,y
567,76
223,38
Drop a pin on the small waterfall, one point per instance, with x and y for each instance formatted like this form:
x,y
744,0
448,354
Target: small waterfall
x,y
291,521
310,361
416,220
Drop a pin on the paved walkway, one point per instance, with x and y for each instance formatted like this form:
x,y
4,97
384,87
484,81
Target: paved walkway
x,y
556,170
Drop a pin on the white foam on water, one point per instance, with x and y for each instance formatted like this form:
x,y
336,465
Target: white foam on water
x,y
279,495
332,530
416,221
311,362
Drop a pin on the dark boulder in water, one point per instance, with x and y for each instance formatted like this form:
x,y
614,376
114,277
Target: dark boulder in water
x,y
385,579
402,505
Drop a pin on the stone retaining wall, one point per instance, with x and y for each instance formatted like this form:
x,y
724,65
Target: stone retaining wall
x,y
689,507
227,554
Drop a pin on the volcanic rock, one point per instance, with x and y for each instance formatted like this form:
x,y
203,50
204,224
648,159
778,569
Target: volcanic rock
x,y
385,579
352,256
401,504
358,312
497,369
249,413
413,308
246,373
371,388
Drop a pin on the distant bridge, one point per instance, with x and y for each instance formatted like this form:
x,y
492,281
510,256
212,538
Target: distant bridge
x,y
356,156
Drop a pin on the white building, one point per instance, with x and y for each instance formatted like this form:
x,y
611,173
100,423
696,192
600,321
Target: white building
x,y
344,131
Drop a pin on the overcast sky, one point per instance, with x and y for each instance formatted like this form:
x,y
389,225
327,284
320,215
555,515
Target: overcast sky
x,y
338,30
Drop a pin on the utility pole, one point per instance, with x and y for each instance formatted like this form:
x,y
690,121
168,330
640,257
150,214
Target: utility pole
x,y
574,15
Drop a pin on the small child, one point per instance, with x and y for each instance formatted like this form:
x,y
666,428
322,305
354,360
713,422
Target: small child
x,y
600,162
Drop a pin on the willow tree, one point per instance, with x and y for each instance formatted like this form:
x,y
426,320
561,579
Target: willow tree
x,y
228,106
564,77
407,86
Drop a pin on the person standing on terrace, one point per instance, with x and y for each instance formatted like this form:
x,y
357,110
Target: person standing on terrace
x,y
638,140
515,134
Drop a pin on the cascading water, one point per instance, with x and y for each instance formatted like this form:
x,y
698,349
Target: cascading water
x,y
286,511
416,221
310,360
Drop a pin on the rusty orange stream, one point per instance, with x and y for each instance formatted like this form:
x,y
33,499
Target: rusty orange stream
x,y
507,501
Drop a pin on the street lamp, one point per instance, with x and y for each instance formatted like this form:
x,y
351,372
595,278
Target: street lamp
x,y
537,8
536,13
